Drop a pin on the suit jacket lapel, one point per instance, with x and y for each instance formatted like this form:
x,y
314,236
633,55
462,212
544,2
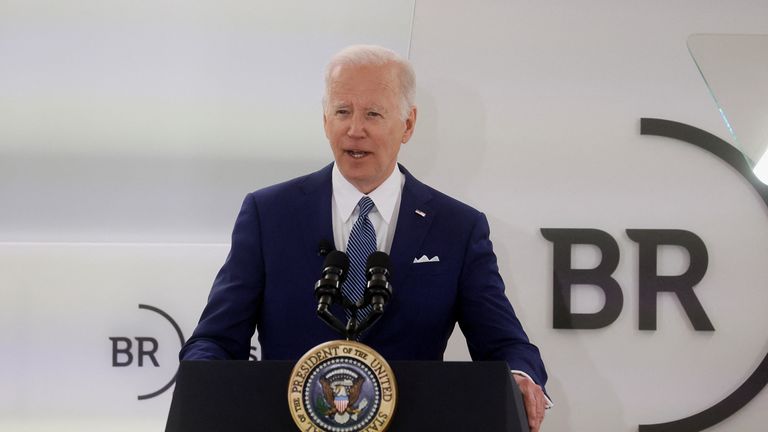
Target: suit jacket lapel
x,y
317,213
412,227
316,208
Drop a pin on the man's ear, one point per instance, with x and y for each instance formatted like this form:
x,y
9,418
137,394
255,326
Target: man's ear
x,y
410,124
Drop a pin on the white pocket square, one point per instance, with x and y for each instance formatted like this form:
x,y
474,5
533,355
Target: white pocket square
x,y
424,259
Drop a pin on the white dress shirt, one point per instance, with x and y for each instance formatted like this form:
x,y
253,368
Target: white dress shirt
x,y
383,215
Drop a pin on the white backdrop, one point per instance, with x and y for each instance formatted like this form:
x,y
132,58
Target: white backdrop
x,y
129,132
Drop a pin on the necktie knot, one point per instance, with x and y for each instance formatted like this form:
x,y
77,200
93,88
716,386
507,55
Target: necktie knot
x,y
365,205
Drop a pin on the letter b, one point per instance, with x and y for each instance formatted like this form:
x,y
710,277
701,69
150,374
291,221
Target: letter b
x,y
564,277
125,350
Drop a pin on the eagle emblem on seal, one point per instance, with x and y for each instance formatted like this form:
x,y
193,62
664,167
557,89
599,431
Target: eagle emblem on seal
x,y
341,394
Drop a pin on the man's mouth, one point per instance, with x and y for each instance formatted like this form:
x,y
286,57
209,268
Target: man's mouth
x,y
357,154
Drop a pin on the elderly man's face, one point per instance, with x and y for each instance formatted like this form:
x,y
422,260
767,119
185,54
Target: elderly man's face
x,y
363,123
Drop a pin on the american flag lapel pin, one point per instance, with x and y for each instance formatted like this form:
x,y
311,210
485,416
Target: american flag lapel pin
x,y
420,213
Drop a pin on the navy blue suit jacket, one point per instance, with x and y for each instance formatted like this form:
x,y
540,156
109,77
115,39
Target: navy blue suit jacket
x,y
268,278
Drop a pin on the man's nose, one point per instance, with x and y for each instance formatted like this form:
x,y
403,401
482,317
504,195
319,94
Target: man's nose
x,y
356,126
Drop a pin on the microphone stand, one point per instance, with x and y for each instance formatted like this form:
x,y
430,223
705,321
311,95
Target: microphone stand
x,y
354,327
351,331
330,319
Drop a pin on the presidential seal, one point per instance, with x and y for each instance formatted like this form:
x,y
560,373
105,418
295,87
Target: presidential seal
x,y
342,386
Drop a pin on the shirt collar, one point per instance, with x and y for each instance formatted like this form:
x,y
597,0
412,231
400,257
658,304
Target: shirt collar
x,y
384,197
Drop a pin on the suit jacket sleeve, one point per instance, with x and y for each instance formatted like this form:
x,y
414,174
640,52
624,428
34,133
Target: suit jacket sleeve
x,y
229,319
485,315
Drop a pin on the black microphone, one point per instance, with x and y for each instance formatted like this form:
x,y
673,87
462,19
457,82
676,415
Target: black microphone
x,y
378,290
328,287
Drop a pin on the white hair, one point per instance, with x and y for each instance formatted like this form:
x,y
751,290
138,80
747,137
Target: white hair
x,y
376,56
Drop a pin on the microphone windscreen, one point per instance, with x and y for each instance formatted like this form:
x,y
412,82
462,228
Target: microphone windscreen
x,y
378,259
337,259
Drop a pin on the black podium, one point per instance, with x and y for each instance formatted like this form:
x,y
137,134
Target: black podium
x,y
251,396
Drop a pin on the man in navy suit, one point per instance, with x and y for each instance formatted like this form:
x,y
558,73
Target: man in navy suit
x,y
443,267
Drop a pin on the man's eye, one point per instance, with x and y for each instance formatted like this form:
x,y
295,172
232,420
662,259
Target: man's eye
x,y
342,112
373,114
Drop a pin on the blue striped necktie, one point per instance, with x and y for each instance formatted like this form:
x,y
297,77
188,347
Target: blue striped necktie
x,y
362,243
